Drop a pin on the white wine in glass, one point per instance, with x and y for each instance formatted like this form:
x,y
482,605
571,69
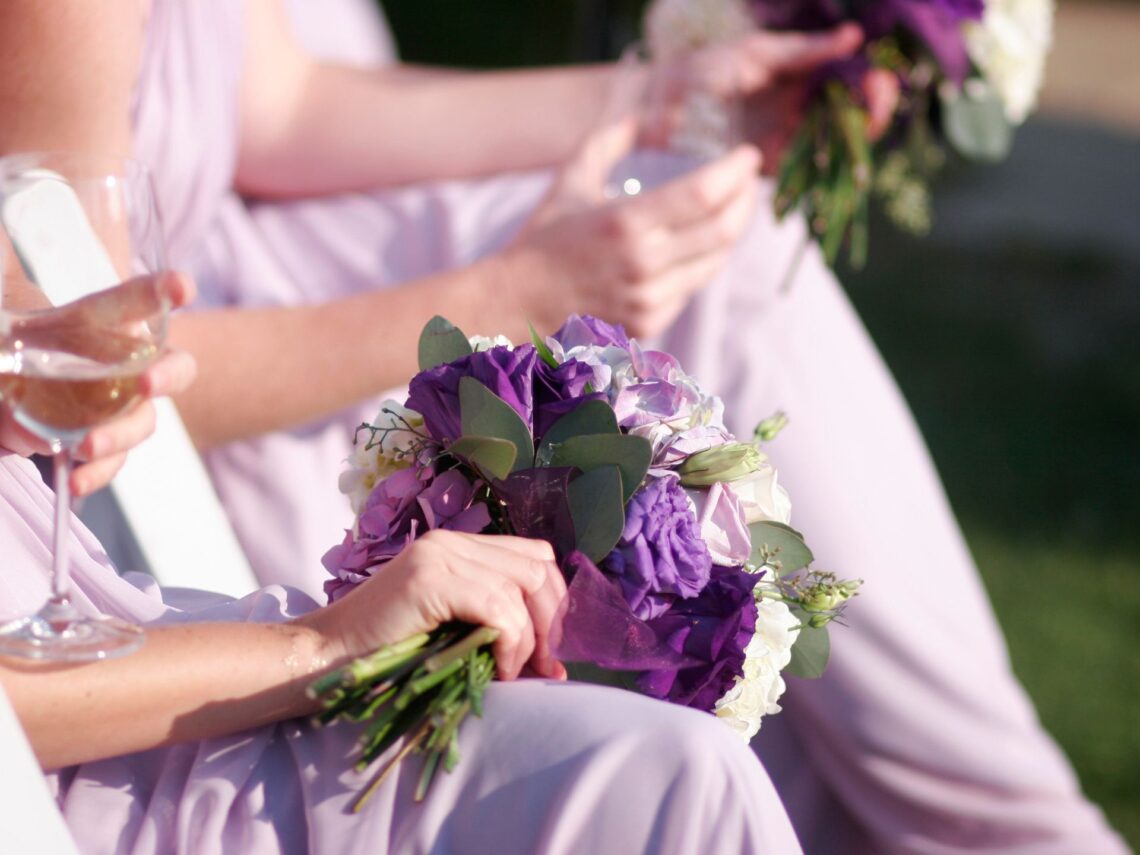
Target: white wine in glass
x,y
82,315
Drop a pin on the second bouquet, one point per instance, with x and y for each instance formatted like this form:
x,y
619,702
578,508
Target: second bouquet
x,y
685,580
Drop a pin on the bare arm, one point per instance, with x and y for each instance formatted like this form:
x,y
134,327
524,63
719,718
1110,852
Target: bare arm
x,y
313,127
55,56
263,369
186,683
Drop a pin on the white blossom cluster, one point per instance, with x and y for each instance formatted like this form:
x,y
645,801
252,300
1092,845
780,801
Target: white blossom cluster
x,y
1009,46
757,693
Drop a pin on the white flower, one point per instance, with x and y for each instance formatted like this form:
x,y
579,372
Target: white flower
x,y
479,343
1009,47
674,28
376,456
757,693
762,498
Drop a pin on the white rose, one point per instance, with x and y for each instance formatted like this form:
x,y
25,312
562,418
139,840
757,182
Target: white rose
x,y
762,498
757,692
1009,47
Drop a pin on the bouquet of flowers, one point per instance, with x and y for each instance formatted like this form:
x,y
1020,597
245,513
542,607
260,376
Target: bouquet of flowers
x,y
968,71
673,536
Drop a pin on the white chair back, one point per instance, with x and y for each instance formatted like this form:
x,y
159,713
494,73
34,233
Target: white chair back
x,y
164,491
29,818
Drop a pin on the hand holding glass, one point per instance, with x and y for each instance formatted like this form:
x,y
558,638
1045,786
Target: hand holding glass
x,y
81,319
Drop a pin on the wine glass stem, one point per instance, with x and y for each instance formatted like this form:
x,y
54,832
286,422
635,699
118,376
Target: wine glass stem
x,y
61,566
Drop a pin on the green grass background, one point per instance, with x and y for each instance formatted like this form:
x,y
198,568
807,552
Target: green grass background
x,y
1014,331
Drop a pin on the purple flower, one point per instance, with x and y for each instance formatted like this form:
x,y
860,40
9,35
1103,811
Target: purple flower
x,y
715,629
660,555
934,22
558,391
581,330
508,373
401,508
657,400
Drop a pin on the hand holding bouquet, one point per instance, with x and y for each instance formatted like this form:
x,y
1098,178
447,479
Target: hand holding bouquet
x,y
672,535
966,73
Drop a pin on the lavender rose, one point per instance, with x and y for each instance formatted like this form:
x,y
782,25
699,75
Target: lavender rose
x,y
661,555
715,628
582,330
508,373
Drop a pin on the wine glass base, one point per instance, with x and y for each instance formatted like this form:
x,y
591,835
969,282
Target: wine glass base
x,y
80,639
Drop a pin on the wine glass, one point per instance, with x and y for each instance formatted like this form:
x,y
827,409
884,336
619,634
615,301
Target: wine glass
x,y
80,321
686,114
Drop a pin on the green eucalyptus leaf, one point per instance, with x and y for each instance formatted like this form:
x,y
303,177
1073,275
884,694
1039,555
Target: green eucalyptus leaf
x,y
593,417
441,342
975,124
597,509
483,413
493,457
631,454
811,649
540,345
785,541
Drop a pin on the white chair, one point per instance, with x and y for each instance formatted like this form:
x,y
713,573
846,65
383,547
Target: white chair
x,y
29,818
164,492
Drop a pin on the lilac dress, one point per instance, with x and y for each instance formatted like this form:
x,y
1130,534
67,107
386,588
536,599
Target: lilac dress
x,y
919,738
552,767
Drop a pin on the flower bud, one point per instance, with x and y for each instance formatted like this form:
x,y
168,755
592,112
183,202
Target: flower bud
x,y
721,463
829,596
768,429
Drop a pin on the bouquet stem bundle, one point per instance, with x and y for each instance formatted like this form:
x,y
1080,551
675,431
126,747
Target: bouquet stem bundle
x,y
425,685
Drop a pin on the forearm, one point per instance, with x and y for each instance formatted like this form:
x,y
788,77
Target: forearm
x,y
188,682
355,128
66,70
266,369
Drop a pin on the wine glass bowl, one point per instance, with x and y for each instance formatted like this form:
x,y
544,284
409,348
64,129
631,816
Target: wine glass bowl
x,y
82,315
685,114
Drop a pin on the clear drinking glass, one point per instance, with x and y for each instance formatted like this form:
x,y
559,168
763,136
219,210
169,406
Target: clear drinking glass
x,y
78,327
686,113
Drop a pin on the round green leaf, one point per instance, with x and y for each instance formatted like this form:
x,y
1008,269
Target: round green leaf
x,y
493,457
441,342
975,124
483,413
788,545
811,650
598,512
631,454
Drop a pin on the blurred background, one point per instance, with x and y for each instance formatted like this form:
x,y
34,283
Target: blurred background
x,y
1014,331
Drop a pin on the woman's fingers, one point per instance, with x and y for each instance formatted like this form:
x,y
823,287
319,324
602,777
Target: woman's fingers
x,y
106,446
544,606
714,233
772,54
169,375
694,196
492,581
881,91
89,477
